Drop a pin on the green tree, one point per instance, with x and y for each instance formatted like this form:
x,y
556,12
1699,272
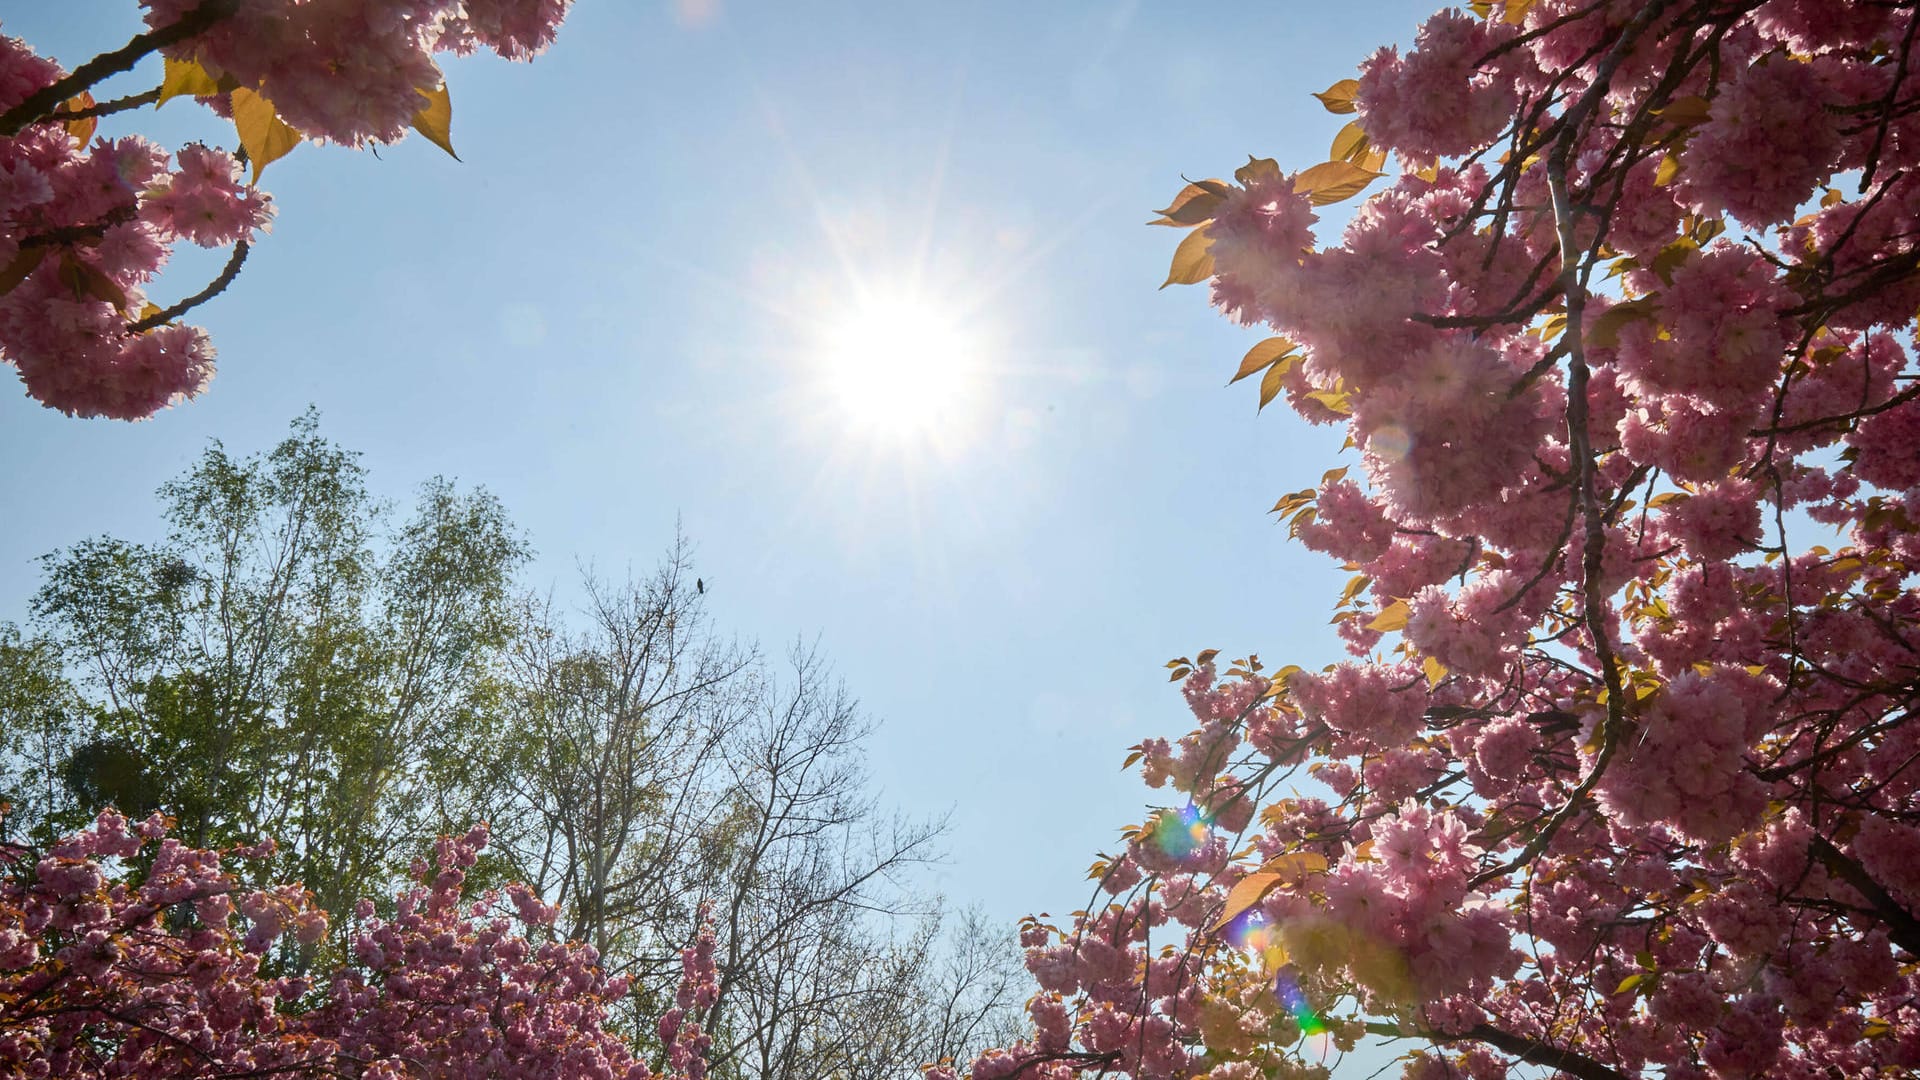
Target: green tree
x,y
286,663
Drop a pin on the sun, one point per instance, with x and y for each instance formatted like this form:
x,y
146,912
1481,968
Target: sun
x,y
901,366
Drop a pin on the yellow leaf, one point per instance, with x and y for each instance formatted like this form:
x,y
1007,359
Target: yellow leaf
x,y
1435,670
1334,400
1192,263
1630,982
1392,617
1194,205
185,78
1338,98
1364,852
1261,356
1331,181
1686,111
1666,497
1350,143
436,120
265,137
81,129
1831,199
1668,170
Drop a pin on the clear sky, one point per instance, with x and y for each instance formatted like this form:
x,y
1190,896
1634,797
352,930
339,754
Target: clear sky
x,y
622,309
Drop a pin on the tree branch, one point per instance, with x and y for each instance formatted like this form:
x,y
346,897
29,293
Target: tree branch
x,y
214,288
40,105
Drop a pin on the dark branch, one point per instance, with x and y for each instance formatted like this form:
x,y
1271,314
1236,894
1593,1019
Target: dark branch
x,y
41,104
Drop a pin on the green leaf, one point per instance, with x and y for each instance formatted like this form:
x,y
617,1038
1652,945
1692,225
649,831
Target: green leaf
x,y
1192,262
1630,982
436,120
265,137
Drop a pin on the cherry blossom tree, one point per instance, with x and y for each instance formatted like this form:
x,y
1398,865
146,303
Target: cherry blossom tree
x,y
126,953
86,224
1621,779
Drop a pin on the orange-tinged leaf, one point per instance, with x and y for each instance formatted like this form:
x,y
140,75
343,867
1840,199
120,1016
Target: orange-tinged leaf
x,y
81,129
1194,205
1206,656
22,267
1338,98
1832,198
1245,893
185,78
1392,617
1270,385
436,120
1192,262
1295,865
1261,356
265,137
1179,673
1331,181
1350,143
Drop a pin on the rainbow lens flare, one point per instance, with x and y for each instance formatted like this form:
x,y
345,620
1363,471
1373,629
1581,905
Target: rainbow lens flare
x,y
1179,833
1319,1037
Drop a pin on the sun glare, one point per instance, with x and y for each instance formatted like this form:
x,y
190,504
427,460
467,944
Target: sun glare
x,y
900,366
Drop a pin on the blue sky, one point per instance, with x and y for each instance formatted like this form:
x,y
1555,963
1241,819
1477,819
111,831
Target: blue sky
x,y
612,315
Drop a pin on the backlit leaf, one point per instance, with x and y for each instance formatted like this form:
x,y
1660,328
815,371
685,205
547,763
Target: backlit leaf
x,y
1434,670
1331,181
1192,262
265,137
1194,205
1392,617
1668,170
1350,143
1246,892
1256,170
436,120
1270,384
185,78
81,129
1261,356
1338,98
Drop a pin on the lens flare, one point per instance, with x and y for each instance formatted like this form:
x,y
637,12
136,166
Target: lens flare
x,y
1319,1037
1390,441
1180,833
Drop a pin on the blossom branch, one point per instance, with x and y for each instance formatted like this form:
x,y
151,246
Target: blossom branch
x,y
40,105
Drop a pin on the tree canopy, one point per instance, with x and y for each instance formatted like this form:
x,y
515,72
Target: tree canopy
x,y
1621,780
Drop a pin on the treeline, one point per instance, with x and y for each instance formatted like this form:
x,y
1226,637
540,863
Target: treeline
x,y
299,661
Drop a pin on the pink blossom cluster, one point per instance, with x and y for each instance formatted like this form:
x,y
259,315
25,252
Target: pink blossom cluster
x,y
125,953
1622,777
351,71
86,224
